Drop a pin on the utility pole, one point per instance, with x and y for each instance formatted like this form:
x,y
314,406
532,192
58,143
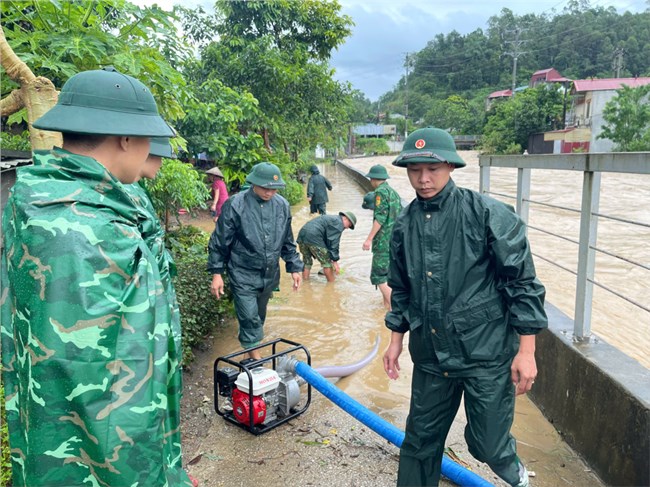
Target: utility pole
x,y
406,104
515,52
617,63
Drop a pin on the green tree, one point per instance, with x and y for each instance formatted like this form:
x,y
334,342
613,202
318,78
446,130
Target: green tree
x,y
222,122
59,39
278,50
627,119
512,121
177,185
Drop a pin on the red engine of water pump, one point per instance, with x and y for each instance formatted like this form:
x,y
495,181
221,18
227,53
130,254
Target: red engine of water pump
x,y
241,408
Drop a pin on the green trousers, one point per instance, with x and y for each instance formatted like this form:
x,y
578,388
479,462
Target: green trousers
x,y
489,406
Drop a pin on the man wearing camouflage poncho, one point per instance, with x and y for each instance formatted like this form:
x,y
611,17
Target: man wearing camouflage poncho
x,y
90,364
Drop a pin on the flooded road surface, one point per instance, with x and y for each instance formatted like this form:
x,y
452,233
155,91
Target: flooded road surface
x,y
339,322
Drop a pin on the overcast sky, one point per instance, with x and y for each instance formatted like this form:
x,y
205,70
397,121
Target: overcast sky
x,y
372,59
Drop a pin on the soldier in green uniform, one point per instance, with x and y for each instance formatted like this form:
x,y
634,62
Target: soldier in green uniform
x,y
317,188
464,287
388,205
88,353
320,238
252,234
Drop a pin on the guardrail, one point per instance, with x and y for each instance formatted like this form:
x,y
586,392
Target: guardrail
x,y
592,166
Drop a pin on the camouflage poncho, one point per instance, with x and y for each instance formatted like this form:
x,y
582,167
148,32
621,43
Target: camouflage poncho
x,y
90,364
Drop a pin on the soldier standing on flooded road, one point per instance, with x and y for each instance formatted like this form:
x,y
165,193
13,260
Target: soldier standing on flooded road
x,y
388,205
464,287
252,234
89,361
317,188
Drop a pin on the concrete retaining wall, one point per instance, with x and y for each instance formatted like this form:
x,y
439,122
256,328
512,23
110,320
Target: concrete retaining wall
x,y
597,397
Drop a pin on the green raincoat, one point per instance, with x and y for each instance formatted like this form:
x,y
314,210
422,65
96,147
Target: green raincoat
x,y
90,360
250,238
324,232
464,286
317,188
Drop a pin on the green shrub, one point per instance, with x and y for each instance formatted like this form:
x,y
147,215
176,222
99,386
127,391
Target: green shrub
x,y
513,149
15,142
188,238
200,311
372,146
293,192
5,452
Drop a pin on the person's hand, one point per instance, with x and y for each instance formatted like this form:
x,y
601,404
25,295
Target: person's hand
x,y
216,288
213,207
523,371
335,266
297,280
391,355
309,198
367,244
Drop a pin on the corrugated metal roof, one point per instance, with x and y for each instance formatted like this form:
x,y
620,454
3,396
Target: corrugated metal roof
x,y
498,94
608,83
13,163
11,159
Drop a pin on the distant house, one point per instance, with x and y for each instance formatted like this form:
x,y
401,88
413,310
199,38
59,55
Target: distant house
x,y
550,75
496,95
374,130
585,118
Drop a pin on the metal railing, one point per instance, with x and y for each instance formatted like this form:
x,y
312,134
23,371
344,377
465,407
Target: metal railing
x,y
592,165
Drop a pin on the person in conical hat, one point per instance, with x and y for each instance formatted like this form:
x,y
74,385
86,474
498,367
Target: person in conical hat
x,y
464,287
98,401
219,192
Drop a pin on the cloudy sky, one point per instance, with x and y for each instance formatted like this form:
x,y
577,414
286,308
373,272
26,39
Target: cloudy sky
x,y
372,58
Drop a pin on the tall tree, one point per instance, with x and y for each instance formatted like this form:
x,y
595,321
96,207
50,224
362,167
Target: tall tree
x,y
627,119
278,51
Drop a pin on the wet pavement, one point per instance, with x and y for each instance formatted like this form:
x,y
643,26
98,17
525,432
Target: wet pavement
x,y
339,322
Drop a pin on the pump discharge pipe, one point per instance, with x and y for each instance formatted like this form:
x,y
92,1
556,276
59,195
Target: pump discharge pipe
x,y
450,469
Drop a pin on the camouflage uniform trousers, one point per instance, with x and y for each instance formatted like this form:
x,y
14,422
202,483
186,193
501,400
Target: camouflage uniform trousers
x,y
310,251
380,258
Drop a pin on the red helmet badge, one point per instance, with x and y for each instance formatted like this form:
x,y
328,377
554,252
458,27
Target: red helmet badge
x,y
420,143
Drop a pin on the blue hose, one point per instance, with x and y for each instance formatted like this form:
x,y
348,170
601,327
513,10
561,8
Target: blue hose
x,y
450,469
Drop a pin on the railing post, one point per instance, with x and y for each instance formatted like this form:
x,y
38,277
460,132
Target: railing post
x,y
586,255
484,179
523,194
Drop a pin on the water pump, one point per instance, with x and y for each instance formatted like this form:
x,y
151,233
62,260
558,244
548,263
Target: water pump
x,y
259,395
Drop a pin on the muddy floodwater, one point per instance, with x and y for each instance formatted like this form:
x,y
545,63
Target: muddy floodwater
x,y
339,323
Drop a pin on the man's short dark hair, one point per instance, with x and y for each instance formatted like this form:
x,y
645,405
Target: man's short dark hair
x,y
87,141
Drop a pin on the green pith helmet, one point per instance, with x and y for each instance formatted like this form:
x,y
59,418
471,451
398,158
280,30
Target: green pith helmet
x,y
160,147
350,216
429,145
105,102
266,175
314,169
369,201
378,172
245,186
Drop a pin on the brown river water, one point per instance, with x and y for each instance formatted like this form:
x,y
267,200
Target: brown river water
x,y
339,322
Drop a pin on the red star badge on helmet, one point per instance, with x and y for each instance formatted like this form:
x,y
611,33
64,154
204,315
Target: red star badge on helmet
x,y
420,143
275,177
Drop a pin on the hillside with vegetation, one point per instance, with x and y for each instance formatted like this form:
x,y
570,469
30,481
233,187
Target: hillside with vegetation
x,y
450,78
